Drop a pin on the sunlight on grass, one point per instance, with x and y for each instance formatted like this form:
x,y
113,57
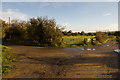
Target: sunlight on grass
x,y
75,40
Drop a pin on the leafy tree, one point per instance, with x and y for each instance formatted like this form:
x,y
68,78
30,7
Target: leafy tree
x,y
64,32
44,31
82,33
40,31
91,34
17,30
100,36
3,28
117,33
69,33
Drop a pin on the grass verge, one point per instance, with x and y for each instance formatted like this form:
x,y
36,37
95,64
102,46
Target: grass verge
x,y
7,59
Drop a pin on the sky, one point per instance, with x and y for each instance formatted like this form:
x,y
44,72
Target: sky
x,y
75,16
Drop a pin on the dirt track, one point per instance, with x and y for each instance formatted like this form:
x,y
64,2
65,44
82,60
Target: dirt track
x,y
38,62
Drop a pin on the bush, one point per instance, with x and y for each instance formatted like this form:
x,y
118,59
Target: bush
x,y
101,36
44,31
111,36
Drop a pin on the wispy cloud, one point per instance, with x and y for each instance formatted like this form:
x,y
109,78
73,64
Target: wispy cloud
x,y
13,14
107,14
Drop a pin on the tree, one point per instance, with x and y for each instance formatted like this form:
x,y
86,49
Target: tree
x,y
69,33
91,34
101,36
117,33
39,31
17,30
82,33
44,31
3,28
64,32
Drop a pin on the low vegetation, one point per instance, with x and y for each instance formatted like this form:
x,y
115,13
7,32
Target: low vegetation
x,y
118,39
81,40
75,41
7,59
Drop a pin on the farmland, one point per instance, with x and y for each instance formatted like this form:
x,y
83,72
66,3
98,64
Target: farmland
x,y
75,41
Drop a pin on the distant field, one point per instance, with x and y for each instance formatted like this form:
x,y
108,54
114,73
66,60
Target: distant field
x,y
74,41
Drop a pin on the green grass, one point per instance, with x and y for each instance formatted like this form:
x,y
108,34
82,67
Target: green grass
x,y
7,59
78,41
75,41
4,48
106,41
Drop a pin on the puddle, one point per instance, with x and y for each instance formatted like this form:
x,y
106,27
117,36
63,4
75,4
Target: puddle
x,y
77,51
81,48
105,46
94,49
87,49
90,49
117,50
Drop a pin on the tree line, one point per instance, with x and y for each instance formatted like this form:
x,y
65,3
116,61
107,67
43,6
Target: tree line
x,y
40,31
44,32
70,33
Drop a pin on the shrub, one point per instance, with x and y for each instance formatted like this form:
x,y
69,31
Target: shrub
x,y
101,36
44,31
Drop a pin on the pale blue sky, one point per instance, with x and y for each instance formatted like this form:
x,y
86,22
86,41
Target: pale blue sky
x,y
76,16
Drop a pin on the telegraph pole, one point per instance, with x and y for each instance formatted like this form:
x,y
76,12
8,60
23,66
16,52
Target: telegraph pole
x,y
9,21
9,26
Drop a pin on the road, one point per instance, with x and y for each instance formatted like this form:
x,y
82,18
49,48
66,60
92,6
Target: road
x,y
39,62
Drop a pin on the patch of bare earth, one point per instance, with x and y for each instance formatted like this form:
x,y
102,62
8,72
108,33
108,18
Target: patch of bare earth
x,y
37,62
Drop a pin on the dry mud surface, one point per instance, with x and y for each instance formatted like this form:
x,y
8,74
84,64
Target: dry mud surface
x,y
38,62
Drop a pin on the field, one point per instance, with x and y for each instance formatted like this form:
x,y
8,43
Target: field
x,y
75,41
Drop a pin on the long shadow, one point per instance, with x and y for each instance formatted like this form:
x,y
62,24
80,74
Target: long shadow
x,y
67,62
76,60
14,43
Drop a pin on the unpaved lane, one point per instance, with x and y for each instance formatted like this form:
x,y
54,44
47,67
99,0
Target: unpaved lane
x,y
38,62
